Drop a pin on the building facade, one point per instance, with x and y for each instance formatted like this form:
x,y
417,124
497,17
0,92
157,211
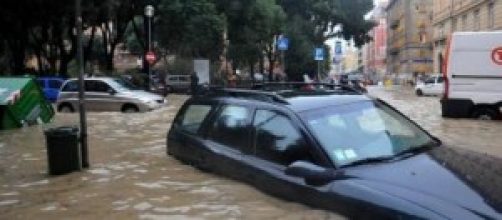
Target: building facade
x,y
462,15
409,38
375,51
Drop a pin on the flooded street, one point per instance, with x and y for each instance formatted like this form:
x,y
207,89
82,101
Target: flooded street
x,y
131,177
481,136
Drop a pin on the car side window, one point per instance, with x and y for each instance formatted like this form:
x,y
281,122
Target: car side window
x,y
55,84
193,117
102,87
71,86
96,86
430,81
277,140
230,127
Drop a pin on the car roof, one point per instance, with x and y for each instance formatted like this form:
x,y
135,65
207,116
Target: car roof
x,y
296,101
301,103
104,78
50,78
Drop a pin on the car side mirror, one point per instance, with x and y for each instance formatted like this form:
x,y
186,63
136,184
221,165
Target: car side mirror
x,y
111,92
313,174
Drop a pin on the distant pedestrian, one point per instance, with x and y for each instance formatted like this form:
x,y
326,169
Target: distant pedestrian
x,y
194,83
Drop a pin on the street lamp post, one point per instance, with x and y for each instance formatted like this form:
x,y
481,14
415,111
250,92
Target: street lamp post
x,y
81,100
149,13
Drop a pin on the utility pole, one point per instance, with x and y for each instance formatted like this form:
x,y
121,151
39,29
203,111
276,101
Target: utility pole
x,y
81,92
319,57
283,45
149,13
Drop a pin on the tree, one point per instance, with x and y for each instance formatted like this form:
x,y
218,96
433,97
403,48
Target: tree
x,y
312,22
191,28
116,16
252,28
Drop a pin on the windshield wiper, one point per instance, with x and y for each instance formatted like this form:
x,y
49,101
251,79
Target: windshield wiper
x,y
410,151
369,160
418,149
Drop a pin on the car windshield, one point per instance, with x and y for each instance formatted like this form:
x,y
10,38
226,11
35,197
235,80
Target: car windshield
x,y
122,85
363,131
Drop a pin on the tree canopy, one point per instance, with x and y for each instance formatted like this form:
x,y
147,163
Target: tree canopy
x,y
244,31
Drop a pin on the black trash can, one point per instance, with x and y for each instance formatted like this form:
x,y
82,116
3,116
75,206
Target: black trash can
x,y
63,150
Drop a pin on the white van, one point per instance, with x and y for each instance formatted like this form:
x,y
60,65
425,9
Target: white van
x,y
473,76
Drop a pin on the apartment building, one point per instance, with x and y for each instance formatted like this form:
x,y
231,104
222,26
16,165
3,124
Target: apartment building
x,y
409,38
462,15
375,51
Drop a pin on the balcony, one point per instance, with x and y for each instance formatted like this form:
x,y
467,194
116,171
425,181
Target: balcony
x,y
394,51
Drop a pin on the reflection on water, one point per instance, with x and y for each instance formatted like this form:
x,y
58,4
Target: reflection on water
x,y
131,177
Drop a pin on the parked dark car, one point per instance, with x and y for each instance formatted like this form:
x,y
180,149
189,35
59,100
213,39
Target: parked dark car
x,y
337,150
50,87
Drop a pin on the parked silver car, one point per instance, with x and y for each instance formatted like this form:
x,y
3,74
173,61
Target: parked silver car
x,y
107,94
177,83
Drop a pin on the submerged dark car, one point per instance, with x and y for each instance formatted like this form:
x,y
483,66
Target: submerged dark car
x,y
337,150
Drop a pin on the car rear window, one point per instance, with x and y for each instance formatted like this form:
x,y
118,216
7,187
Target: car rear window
x,y
193,117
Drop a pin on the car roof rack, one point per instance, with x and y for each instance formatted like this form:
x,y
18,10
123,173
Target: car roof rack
x,y
247,93
281,86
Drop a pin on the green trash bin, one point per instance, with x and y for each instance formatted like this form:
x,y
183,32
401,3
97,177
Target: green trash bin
x,y
22,103
63,150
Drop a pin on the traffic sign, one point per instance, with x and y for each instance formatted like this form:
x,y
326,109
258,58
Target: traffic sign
x,y
338,48
497,56
150,57
319,54
283,43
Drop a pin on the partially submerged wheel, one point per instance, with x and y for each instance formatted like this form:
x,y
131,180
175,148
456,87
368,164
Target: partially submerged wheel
x,y
485,113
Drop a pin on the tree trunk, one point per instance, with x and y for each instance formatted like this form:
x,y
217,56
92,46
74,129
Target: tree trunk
x,y
271,62
262,64
251,72
109,58
88,49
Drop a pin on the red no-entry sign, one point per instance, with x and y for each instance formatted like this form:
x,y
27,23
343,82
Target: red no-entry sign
x,y
497,55
150,57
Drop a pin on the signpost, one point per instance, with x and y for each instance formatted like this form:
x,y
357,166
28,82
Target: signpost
x,y
338,48
319,56
283,45
81,92
150,57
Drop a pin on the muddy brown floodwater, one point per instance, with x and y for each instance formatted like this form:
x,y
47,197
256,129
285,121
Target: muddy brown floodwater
x,y
131,177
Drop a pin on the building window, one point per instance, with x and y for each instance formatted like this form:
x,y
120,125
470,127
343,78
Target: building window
x,y
423,38
477,20
441,30
491,15
464,22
